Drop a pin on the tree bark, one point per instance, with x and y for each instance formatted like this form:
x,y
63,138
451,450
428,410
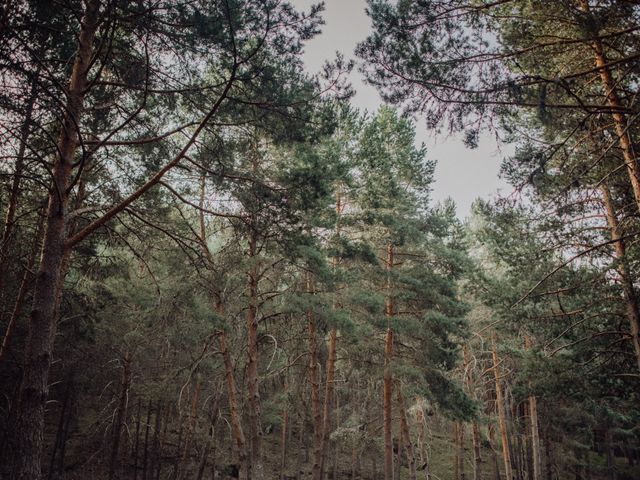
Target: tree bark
x,y
502,416
42,325
253,379
234,411
536,454
328,397
406,435
387,418
388,376
314,382
613,100
283,433
631,297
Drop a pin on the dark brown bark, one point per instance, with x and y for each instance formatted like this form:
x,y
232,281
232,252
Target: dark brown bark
x,y
120,414
406,436
42,325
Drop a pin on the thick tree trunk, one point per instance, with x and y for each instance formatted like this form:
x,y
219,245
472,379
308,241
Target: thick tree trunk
x,y
314,382
406,435
502,416
234,411
42,325
631,297
120,415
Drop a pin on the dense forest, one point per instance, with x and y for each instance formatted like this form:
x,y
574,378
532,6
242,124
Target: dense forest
x,y
213,266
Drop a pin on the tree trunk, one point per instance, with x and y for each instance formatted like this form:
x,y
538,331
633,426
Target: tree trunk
x,y
283,433
256,471
619,120
475,427
536,454
234,411
137,441
328,397
502,416
25,286
494,452
193,421
6,243
314,382
42,325
631,298
406,435
388,377
388,391
120,415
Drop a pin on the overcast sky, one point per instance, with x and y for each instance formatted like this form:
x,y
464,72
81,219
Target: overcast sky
x,y
461,174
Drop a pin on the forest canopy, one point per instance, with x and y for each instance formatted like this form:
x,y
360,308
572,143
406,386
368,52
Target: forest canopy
x,y
213,266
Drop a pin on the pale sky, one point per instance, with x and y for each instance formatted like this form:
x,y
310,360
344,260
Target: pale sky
x,y
461,173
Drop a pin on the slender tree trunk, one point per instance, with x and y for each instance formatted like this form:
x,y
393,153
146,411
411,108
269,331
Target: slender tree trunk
x,y
460,450
406,435
536,453
502,416
475,427
6,242
136,442
120,415
613,101
314,382
388,434
234,411
145,453
25,286
631,297
283,433
253,389
193,421
328,397
388,376
42,325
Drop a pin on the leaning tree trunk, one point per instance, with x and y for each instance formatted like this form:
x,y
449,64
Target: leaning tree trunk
x,y
502,416
631,298
34,388
613,101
